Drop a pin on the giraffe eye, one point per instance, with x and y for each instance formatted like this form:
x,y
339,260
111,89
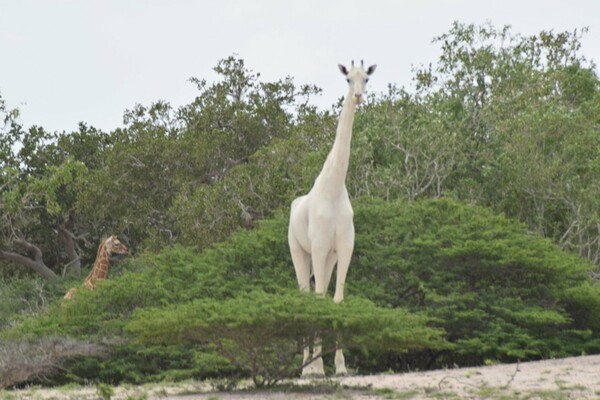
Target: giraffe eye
x,y
348,80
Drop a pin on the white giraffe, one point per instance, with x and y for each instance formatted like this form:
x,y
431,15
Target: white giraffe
x,y
321,229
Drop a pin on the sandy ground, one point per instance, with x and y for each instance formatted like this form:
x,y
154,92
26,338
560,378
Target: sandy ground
x,y
569,378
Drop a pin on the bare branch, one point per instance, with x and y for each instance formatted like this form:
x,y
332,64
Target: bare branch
x,y
67,239
35,263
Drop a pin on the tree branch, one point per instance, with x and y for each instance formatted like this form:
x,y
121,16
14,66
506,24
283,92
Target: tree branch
x,y
34,263
67,239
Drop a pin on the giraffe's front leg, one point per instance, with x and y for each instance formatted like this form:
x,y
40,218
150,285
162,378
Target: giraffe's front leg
x,y
345,247
340,363
320,251
315,367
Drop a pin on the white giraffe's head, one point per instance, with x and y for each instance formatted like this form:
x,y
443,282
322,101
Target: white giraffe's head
x,y
357,78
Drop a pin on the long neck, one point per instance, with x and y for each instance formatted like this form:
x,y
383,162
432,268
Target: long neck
x,y
100,270
333,174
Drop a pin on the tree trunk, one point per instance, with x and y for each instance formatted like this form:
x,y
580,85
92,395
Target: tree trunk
x,y
67,239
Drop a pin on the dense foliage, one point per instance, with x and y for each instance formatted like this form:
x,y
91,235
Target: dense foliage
x,y
476,205
263,334
501,120
189,300
447,282
499,292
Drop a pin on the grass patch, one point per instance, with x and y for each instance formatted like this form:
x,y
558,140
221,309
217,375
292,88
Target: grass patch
x,y
547,395
387,393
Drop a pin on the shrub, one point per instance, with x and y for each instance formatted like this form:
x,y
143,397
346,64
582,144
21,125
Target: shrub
x,y
499,292
33,360
262,333
20,297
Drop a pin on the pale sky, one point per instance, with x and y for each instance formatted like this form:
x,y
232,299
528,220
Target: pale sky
x,y
62,62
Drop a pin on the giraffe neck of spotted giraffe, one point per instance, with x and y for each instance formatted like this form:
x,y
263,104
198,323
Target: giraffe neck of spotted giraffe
x,y
100,270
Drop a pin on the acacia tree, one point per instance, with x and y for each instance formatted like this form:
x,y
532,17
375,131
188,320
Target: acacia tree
x,y
169,173
254,190
27,203
39,226
163,156
525,113
262,334
404,148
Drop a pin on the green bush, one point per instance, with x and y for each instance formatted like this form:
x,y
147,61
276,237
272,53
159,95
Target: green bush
x,y
256,259
20,296
499,292
262,334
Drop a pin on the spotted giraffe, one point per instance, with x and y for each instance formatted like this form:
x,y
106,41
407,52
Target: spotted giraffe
x,y
99,272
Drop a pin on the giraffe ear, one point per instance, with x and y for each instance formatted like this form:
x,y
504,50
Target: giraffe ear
x,y
343,69
371,69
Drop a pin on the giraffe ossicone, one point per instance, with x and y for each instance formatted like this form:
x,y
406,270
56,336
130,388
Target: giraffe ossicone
x,y
321,227
99,272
